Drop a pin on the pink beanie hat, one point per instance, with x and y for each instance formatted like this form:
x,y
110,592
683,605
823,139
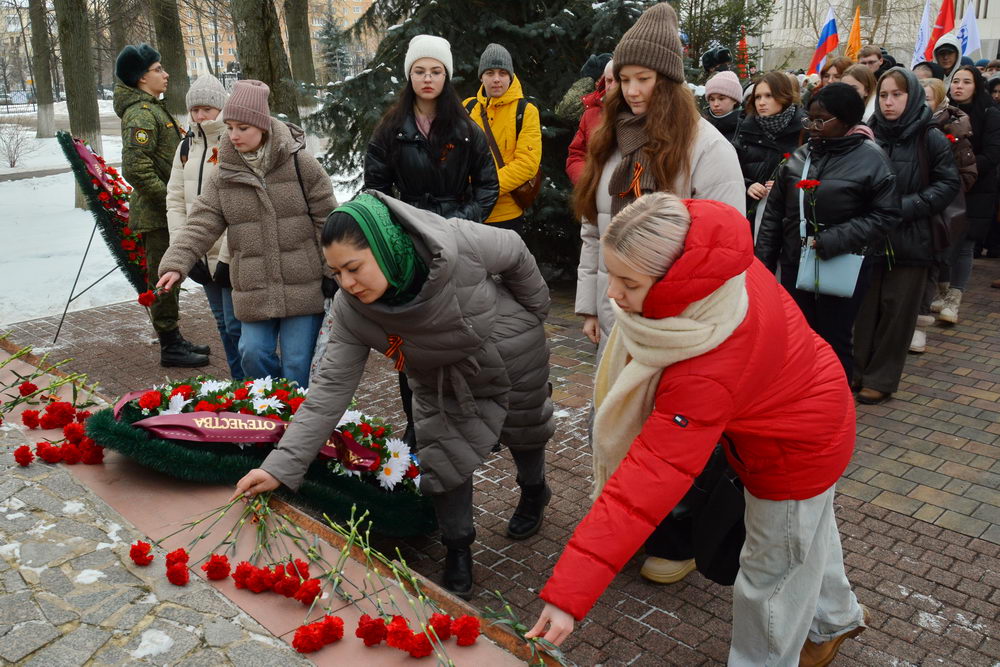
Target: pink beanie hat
x,y
725,83
248,104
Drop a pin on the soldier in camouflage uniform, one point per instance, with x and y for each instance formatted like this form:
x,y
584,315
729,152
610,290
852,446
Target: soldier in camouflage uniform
x,y
149,139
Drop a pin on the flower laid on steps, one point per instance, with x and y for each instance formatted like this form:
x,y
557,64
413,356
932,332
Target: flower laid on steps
x,y
178,574
314,636
140,553
398,634
23,456
216,568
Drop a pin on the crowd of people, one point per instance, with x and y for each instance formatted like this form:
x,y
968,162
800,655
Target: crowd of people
x,y
743,269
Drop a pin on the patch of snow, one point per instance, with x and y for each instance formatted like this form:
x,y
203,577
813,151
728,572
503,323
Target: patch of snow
x,y
153,642
11,504
104,545
112,528
931,621
962,619
72,507
149,599
16,515
89,576
36,570
927,598
41,529
11,549
48,154
561,414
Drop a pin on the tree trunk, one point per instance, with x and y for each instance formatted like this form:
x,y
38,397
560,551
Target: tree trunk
x,y
43,78
209,59
300,45
118,25
170,44
78,75
262,53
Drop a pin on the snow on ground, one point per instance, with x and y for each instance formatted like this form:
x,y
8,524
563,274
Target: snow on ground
x,y
44,237
47,154
104,108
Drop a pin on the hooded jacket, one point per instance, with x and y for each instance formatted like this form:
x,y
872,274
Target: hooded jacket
x,y
593,105
773,387
149,138
949,39
923,194
522,153
856,202
461,183
188,179
273,227
473,349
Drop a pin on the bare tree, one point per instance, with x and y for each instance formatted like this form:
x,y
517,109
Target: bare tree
x,y
300,41
262,53
15,143
170,44
78,74
43,80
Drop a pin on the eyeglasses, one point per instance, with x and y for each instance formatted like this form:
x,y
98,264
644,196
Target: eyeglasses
x,y
158,69
816,123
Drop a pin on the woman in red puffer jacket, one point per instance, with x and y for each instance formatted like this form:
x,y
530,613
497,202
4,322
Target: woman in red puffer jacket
x,y
593,107
706,343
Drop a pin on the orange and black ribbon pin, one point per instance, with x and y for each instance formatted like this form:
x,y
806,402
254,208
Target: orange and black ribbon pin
x,y
395,351
634,188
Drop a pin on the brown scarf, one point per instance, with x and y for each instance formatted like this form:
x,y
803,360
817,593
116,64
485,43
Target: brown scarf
x,y
633,177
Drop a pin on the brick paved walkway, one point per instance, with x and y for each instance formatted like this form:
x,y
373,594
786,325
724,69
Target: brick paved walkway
x,y
919,507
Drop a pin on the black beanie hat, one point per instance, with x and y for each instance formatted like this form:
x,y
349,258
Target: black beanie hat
x,y
134,61
594,67
841,101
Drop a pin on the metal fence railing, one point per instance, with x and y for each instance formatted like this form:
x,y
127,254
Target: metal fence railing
x,y
6,109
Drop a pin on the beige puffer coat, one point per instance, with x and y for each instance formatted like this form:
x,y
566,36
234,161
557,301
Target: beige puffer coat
x,y
474,351
188,179
274,227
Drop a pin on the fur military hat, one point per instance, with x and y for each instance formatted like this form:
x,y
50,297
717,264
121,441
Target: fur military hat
x,y
134,61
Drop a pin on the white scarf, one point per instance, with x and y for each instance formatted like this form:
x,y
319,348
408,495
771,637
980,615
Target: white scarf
x,y
637,352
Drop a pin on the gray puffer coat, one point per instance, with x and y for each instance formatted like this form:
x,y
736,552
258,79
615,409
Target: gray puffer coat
x,y
474,351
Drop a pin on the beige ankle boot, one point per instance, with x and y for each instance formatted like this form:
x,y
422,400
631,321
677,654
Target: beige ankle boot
x,y
949,311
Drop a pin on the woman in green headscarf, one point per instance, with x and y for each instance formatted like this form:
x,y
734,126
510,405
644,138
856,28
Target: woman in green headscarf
x,y
422,290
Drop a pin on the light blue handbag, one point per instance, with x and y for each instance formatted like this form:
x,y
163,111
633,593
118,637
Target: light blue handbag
x,y
836,276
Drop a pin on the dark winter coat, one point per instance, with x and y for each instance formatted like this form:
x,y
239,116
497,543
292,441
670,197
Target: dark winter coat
x,y
952,120
473,349
149,138
856,202
462,183
923,195
760,155
981,199
727,125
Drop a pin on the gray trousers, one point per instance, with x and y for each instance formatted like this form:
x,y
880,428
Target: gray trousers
x,y
885,324
454,508
791,585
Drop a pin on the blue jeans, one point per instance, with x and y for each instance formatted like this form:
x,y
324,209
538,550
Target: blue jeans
x,y
220,300
297,338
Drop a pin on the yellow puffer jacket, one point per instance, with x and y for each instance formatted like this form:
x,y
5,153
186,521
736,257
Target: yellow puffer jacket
x,y
521,154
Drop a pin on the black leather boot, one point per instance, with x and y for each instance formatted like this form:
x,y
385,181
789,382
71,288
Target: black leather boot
x,y
527,518
197,349
457,578
174,352
410,436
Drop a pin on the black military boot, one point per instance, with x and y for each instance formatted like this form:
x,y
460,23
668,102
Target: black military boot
x,y
527,518
197,349
457,578
174,352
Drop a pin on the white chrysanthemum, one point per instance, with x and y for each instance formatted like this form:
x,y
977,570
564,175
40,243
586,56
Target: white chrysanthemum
x,y
350,417
390,473
261,386
398,450
213,387
262,405
176,405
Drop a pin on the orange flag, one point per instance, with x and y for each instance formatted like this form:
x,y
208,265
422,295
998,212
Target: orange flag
x,y
854,41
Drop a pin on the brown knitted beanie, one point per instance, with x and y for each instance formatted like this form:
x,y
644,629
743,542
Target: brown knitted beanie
x,y
248,104
654,42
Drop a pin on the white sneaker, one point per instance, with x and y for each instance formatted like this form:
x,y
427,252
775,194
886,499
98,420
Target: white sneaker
x,y
952,301
919,342
926,320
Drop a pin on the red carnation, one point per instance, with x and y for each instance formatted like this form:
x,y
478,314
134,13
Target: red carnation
x,y
30,418
308,638
139,553
442,625
420,646
178,574
241,394
398,633
147,298
412,471
205,406
184,390
104,196
371,630
27,388
280,394
260,580
70,454
332,629
48,453
366,429
466,630
952,138
216,568
294,403
177,556
129,245
242,573
786,156
92,454
126,231
379,432
82,416
301,567
308,592
74,432
60,413
807,184
150,400
23,456
287,586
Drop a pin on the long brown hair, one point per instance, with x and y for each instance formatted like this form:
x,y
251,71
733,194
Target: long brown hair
x,y
671,124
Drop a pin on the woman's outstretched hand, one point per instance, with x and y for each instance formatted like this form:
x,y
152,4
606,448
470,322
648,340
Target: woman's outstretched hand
x,y
254,482
560,625
168,280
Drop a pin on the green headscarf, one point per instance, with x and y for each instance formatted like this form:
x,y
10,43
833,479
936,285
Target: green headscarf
x,y
392,247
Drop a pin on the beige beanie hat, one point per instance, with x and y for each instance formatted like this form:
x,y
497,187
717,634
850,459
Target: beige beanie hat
x,y
654,42
248,104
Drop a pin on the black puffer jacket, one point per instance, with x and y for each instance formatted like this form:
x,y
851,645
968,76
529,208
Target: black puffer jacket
x,y
760,155
727,125
856,202
460,183
911,243
981,199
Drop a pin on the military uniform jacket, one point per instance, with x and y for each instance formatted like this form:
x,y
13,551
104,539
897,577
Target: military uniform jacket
x,y
149,139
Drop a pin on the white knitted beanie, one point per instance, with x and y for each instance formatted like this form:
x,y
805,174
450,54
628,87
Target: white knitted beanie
x,y
428,46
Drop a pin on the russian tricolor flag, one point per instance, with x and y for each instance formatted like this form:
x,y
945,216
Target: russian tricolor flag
x,y
828,42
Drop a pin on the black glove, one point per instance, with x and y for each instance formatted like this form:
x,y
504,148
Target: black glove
x,y
200,273
330,287
222,275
